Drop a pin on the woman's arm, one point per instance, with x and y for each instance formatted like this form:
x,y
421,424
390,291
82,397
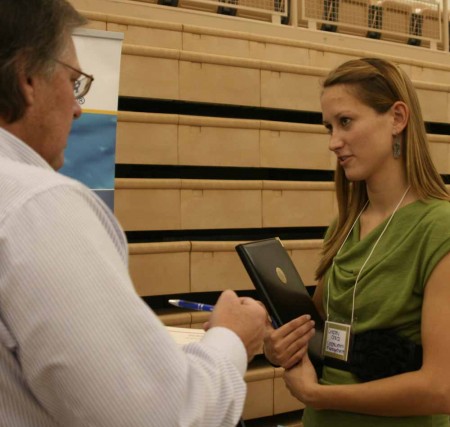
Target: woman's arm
x,y
422,392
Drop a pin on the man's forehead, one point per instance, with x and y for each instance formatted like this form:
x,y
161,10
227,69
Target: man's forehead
x,y
69,54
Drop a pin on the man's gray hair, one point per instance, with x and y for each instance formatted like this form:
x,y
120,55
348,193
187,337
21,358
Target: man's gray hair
x,y
33,33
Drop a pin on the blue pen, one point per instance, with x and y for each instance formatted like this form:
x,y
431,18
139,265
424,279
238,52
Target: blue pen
x,y
191,305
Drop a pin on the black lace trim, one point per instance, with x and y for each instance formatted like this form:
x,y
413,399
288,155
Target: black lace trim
x,y
379,354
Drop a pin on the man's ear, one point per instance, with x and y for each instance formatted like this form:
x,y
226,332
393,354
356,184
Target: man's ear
x,y
401,116
27,83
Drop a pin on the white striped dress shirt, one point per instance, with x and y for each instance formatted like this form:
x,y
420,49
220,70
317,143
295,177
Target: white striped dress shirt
x,y
78,346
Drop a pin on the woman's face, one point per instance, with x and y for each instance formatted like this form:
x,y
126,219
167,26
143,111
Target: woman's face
x,y
360,137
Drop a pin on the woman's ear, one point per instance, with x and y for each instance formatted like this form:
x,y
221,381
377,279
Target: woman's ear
x,y
401,116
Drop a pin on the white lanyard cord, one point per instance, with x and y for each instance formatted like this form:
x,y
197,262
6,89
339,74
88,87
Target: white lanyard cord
x,y
367,259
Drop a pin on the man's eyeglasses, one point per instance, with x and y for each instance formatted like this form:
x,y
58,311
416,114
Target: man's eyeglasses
x,y
82,85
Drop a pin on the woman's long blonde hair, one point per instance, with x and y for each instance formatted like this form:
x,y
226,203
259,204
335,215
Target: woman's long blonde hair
x,y
378,84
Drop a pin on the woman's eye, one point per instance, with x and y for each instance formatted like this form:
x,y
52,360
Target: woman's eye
x,y
345,121
329,129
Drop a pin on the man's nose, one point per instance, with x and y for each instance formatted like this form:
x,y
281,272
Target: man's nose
x,y
76,109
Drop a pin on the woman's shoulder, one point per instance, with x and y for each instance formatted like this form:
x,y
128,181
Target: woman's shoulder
x,y
437,209
433,220
429,217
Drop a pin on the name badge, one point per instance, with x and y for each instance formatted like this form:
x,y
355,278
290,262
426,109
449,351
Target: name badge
x,y
336,340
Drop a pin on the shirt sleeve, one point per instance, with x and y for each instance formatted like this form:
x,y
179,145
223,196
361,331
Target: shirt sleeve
x,y
90,350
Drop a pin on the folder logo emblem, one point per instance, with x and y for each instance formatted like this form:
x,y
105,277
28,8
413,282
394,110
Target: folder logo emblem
x,y
281,275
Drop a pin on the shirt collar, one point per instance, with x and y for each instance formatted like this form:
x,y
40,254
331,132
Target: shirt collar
x,y
14,149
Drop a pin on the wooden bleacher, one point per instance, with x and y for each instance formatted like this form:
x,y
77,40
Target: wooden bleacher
x,y
351,12
193,58
396,18
183,267
190,75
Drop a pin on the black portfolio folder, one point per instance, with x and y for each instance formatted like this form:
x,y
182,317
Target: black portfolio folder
x,y
280,287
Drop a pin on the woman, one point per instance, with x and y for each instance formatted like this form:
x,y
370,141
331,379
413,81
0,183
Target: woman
x,y
384,277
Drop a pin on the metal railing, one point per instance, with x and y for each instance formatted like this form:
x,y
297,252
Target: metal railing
x,y
419,22
416,22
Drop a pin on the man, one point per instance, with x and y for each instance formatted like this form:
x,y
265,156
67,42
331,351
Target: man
x,y
78,347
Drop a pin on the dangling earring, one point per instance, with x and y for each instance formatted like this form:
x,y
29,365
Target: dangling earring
x,y
397,146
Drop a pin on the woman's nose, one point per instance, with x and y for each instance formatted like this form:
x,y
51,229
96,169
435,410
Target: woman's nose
x,y
335,142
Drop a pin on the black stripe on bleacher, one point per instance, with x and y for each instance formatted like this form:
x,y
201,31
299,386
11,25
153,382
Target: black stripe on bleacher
x,y
164,106
161,305
285,418
226,234
437,128
226,173
160,302
223,173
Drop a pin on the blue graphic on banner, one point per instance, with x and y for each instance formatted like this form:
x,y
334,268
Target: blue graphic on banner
x,y
90,153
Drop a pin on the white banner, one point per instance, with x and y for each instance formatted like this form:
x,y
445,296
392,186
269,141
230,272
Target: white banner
x,y
90,154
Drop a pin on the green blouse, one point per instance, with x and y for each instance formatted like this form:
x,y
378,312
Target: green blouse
x,y
389,294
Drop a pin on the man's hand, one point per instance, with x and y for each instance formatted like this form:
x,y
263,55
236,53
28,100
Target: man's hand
x,y
244,316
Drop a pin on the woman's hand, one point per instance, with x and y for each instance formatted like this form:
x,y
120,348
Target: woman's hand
x,y
287,345
301,380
